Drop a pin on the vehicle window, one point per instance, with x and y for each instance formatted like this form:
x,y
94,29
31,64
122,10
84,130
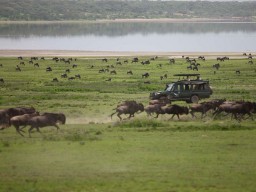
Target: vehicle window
x,y
169,87
186,87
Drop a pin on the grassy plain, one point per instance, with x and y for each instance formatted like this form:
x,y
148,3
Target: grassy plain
x,y
94,153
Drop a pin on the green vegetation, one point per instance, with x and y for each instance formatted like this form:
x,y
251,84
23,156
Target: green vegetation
x,y
91,10
94,153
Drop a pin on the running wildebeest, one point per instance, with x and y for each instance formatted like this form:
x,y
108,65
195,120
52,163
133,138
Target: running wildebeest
x,y
128,107
46,119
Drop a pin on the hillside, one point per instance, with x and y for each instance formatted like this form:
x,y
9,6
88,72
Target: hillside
x,y
34,10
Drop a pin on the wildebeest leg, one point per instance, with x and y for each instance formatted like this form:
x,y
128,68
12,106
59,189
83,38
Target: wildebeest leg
x,y
119,115
18,131
192,113
21,129
56,127
112,114
29,131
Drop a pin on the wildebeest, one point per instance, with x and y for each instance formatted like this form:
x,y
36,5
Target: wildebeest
x,y
135,60
48,69
64,75
146,75
78,76
174,110
46,119
55,80
216,66
129,72
7,114
21,120
128,107
1,80
155,106
105,60
237,109
113,72
4,119
172,61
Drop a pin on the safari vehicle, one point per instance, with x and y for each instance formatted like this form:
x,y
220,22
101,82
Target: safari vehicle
x,y
187,89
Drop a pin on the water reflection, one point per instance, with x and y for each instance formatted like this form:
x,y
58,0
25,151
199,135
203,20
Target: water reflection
x,y
130,36
119,29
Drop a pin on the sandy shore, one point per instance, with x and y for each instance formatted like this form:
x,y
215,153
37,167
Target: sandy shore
x,y
66,53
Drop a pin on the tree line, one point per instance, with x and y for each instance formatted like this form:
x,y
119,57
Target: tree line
x,y
48,10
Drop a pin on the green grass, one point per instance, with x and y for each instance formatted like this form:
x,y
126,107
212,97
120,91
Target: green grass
x,y
93,152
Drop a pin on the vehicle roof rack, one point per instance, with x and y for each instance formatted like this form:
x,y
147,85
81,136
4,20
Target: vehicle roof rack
x,y
187,75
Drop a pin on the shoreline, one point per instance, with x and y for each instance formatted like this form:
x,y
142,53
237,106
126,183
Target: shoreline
x,y
139,20
74,53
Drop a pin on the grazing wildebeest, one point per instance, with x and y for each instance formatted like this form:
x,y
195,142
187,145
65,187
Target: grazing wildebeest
x,y
36,65
64,75
20,57
22,63
21,120
145,62
113,72
46,119
216,66
18,68
78,76
105,60
172,61
238,72
174,110
128,107
74,65
71,78
55,80
129,72
67,71
109,79
48,69
1,80
1,65
146,75
135,60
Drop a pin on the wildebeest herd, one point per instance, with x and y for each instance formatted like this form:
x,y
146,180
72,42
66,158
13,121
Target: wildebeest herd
x,y
239,110
20,117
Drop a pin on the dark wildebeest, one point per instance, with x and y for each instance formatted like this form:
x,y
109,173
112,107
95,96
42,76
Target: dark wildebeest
x,y
236,109
46,119
105,60
175,110
113,72
21,120
1,80
7,114
4,119
48,69
172,61
55,80
135,60
128,107
146,75
129,72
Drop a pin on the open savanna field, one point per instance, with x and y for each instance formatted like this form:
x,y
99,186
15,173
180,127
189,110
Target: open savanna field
x,y
93,152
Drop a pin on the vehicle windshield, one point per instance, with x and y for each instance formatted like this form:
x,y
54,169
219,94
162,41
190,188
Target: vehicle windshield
x,y
169,87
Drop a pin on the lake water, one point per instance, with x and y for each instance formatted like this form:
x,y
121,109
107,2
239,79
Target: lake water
x,y
173,37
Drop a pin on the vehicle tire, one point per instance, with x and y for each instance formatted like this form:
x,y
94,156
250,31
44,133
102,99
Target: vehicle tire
x,y
194,99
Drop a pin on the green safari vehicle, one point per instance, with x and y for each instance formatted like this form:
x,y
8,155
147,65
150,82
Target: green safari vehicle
x,y
187,89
